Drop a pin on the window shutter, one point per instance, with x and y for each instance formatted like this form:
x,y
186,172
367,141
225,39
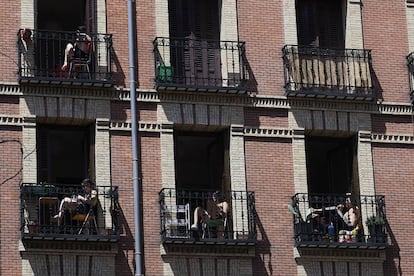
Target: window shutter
x,y
320,23
331,27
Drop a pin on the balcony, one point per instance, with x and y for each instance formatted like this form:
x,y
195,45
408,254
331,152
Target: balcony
x,y
40,202
328,73
188,64
42,52
176,216
313,215
410,63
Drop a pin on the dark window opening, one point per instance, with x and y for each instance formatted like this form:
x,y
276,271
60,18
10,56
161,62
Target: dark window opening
x,y
331,165
65,15
195,56
64,154
201,161
320,23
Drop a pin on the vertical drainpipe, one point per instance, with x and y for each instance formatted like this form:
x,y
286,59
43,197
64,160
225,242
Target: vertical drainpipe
x,y
134,134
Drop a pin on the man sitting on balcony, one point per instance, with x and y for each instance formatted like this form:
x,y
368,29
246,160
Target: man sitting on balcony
x,y
79,49
80,204
215,215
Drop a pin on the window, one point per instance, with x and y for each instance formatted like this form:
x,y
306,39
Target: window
x,y
201,160
65,15
195,55
331,165
320,23
65,154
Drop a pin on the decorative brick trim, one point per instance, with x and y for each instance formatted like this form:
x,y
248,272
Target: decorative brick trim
x,y
222,99
392,138
268,132
11,121
343,254
210,250
10,89
58,246
142,126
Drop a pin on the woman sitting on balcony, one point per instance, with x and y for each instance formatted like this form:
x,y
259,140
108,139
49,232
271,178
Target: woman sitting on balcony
x,y
214,216
80,204
79,49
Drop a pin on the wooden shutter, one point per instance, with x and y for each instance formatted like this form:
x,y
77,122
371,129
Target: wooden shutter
x,y
331,27
320,23
90,16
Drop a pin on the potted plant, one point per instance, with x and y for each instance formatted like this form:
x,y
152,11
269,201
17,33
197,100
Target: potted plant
x,y
376,228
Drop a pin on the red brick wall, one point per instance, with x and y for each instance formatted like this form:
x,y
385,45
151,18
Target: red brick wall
x,y
121,111
261,27
150,168
256,117
117,22
10,180
9,105
392,124
10,23
394,178
389,44
269,171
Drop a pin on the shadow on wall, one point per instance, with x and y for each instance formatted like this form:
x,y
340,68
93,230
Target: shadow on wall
x,y
119,75
262,264
392,264
126,247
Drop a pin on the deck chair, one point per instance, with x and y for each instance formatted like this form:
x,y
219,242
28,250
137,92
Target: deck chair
x,y
209,231
87,219
81,62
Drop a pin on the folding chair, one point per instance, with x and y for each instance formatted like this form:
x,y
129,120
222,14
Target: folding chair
x,y
81,60
88,221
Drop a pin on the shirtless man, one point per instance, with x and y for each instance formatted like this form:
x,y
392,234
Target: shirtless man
x,y
79,203
351,220
217,210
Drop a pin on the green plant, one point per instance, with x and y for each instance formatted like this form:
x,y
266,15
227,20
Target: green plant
x,y
375,220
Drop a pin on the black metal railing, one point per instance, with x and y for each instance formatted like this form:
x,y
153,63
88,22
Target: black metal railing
x,y
40,204
410,63
323,220
188,63
177,212
42,54
344,73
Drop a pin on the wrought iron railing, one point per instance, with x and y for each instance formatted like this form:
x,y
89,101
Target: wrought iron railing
x,y
177,212
344,73
410,63
42,54
322,220
40,204
188,63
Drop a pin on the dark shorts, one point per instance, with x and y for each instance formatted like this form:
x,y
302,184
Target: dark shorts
x,y
215,222
82,208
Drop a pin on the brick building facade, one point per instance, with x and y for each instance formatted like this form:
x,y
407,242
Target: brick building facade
x,y
293,110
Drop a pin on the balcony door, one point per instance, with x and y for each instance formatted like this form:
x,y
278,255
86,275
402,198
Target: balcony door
x,y
195,54
201,160
332,165
320,23
65,154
